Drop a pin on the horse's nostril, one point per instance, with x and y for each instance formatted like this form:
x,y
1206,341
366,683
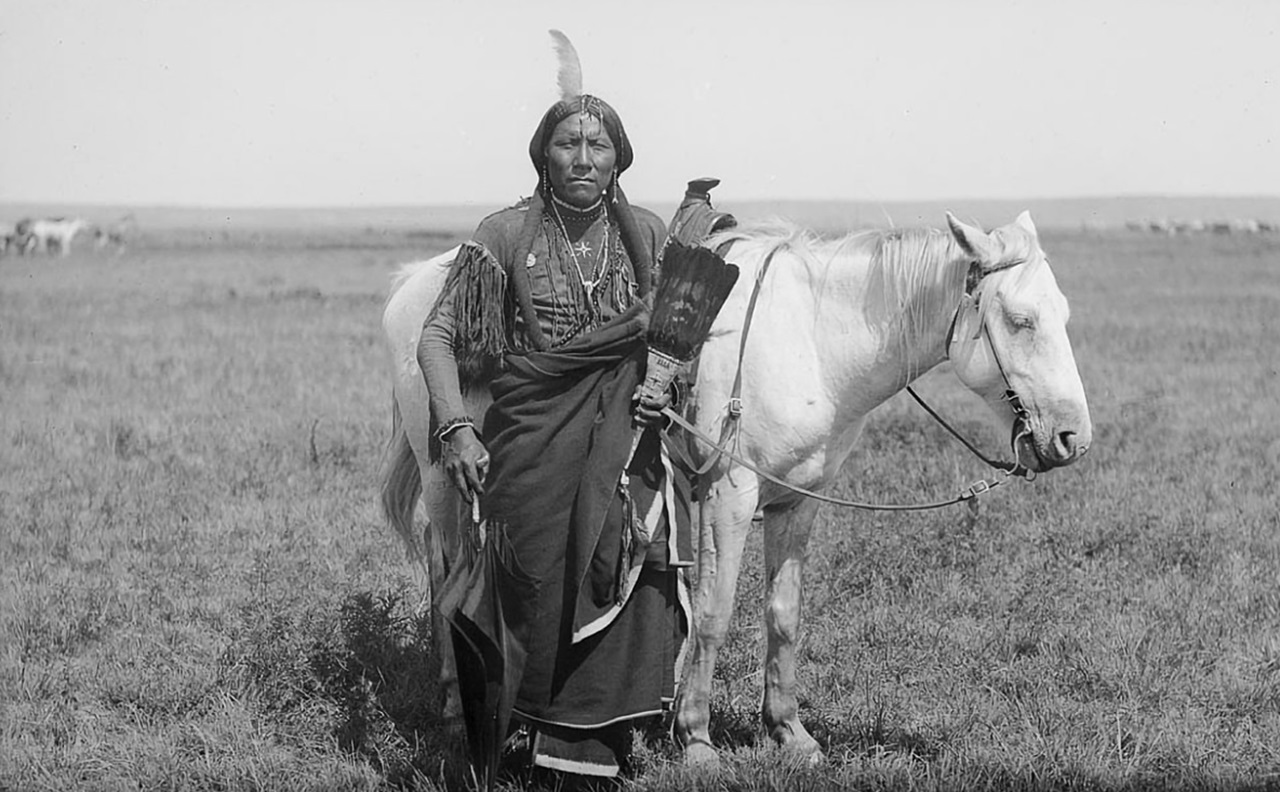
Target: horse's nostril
x,y
1066,444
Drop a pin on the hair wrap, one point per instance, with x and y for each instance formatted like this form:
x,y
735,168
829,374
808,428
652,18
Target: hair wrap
x,y
592,105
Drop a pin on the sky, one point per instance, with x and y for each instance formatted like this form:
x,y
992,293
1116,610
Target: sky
x,y
320,103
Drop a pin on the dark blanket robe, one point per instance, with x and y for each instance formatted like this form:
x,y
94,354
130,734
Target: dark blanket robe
x,y
559,432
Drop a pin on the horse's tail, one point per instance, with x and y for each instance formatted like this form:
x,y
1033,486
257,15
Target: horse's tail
x,y
401,484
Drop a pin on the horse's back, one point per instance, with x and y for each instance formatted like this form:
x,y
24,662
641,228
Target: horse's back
x,y
415,288
770,353
758,333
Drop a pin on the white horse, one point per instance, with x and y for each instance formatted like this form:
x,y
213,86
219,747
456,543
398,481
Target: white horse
x,y
408,475
838,328
56,233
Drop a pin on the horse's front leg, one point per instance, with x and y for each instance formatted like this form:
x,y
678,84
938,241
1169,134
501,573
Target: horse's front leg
x,y
786,535
726,513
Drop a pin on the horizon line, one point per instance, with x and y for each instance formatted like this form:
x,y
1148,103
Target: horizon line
x,y
200,206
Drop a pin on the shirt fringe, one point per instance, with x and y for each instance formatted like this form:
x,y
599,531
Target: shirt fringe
x,y
479,286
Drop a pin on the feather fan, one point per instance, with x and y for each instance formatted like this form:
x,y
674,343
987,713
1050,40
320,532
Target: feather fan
x,y
569,76
692,287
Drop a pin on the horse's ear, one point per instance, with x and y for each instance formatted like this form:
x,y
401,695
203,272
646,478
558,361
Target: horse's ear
x,y
973,240
1024,222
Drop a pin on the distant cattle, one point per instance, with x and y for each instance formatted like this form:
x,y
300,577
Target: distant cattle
x,y
1244,225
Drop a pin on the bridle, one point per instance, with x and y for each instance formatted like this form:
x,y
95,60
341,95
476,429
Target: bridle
x,y
731,425
1022,417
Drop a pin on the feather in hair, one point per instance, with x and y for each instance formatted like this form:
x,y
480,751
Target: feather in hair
x,y
569,76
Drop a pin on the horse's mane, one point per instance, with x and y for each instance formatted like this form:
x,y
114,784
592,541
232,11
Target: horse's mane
x,y
764,238
903,250
910,282
905,259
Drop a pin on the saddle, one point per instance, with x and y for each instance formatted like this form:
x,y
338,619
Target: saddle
x,y
695,218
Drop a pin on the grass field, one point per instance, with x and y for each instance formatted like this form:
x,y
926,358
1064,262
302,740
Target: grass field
x,y
197,591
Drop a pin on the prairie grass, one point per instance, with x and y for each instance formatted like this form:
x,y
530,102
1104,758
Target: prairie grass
x,y
197,591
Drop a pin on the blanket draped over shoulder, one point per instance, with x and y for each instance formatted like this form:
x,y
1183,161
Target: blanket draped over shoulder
x,y
559,433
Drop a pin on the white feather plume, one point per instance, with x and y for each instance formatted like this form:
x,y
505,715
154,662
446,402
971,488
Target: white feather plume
x,y
569,76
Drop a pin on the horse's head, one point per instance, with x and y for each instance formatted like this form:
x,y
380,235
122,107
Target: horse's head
x,y
1009,344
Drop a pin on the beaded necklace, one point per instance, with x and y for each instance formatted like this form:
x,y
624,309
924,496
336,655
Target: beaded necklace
x,y
601,266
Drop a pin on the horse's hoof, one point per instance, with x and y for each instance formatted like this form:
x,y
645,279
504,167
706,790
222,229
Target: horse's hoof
x,y
814,757
799,744
701,755
451,709
806,752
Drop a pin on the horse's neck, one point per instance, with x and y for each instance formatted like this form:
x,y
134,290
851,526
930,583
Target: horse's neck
x,y
910,285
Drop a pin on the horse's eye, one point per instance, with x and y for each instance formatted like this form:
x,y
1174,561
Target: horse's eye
x,y
1021,321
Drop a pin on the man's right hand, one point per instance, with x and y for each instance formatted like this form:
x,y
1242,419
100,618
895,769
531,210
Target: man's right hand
x,y
466,462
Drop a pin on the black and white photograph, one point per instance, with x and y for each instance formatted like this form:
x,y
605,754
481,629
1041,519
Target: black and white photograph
x,y
743,396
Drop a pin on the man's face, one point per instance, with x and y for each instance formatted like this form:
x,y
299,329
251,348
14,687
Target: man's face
x,y
580,160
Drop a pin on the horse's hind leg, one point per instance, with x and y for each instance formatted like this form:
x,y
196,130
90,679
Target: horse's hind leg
x,y
726,513
442,502
786,534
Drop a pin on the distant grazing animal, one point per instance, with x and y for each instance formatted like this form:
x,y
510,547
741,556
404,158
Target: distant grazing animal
x,y
56,233
116,235
838,328
22,241
7,231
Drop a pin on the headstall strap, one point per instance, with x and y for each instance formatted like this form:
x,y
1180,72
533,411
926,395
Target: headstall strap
x,y
734,408
974,276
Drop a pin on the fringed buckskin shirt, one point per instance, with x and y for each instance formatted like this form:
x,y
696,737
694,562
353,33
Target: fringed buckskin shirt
x,y
475,320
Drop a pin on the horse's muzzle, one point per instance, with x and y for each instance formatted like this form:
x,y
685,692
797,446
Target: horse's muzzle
x,y
1047,450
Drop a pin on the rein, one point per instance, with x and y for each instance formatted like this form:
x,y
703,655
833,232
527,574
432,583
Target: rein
x,y
968,493
730,427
